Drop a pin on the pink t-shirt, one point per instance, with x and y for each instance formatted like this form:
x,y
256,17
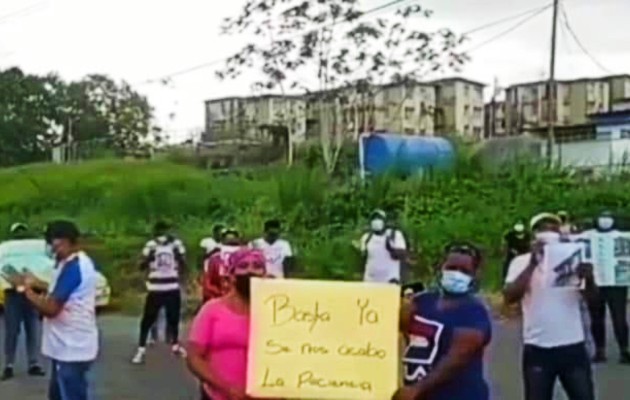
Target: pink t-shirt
x,y
224,334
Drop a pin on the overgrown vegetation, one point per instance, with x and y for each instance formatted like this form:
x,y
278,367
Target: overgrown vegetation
x,y
117,202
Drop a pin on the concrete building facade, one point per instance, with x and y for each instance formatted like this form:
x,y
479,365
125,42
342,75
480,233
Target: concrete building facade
x,y
459,108
527,104
254,118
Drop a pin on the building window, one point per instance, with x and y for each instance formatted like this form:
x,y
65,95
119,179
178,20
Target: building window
x,y
466,90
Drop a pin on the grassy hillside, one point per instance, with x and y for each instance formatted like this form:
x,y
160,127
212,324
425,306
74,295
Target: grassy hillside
x,y
117,203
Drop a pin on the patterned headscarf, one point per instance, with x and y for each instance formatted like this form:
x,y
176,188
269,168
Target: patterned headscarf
x,y
245,260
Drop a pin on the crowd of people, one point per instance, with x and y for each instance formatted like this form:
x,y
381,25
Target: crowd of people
x,y
446,328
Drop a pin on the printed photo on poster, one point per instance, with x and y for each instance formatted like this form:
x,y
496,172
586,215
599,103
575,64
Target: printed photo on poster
x,y
560,264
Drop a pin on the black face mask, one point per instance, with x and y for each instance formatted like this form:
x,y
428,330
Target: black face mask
x,y
242,284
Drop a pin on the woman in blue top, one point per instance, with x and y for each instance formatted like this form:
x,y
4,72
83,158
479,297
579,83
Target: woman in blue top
x,y
448,331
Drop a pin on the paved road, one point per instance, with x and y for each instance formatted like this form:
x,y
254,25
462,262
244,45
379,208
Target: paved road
x,y
165,378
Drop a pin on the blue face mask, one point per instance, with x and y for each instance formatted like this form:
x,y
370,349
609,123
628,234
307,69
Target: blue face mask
x,y
456,282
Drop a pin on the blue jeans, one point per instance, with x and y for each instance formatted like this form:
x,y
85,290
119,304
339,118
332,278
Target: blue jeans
x,y
570,365
18,313
69,380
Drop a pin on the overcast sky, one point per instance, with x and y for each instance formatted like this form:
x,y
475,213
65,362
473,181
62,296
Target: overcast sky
x,y
137,40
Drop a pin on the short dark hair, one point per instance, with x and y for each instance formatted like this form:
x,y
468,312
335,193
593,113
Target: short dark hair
x,y
218,228
465,248
62,229
272,224
161,226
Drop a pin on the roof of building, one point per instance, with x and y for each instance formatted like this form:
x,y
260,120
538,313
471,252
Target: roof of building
x,y
257,97
565,81
455,79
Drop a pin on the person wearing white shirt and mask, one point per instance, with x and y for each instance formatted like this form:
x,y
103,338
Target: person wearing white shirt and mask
x,y
615,297
553,332
384,250
278,252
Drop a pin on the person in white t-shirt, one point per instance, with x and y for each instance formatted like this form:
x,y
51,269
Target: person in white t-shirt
x,y
553,332
383,250
278,252
212,243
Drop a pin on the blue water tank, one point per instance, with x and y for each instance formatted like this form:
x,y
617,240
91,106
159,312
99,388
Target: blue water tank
x,y
405,154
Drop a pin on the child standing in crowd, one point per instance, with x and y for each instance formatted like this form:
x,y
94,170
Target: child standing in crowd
x,y
219,336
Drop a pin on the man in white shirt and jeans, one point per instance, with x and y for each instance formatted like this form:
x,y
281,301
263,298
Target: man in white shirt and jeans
x,y
384,249
553,332
278,252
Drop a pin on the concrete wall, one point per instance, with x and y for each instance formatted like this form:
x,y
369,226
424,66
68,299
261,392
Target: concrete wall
x,y
592,153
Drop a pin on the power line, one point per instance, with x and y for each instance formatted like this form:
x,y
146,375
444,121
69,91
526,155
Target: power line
x,y
511,29
505,19
219,61
23,12
565,18
529,14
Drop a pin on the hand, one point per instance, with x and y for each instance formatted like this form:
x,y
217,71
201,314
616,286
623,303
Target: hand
x,y
14,280
30,279
407,393
585,271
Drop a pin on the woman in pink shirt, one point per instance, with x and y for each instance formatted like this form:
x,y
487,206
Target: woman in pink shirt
x,y
219,336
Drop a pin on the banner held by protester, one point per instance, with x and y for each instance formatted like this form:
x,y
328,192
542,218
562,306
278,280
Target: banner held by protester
x,y
324,340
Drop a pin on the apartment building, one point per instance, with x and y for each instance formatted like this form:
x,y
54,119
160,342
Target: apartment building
x,y
405,108
255,118
447,106
459,107
527,104
495,124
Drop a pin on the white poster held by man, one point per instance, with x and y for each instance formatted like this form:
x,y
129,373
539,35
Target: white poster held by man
x,y
560,263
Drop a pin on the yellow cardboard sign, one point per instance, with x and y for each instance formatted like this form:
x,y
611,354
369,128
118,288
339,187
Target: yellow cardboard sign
x,y
323,340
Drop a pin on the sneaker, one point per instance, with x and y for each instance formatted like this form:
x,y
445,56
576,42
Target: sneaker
x,y
7,374
179,351
139,357
36,370
624,358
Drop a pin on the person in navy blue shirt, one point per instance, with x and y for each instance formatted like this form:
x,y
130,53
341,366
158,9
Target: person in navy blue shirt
x,y
448,331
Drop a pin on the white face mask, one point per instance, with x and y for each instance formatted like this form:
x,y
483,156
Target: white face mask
x,y
605,223
456,282
377,225
548,237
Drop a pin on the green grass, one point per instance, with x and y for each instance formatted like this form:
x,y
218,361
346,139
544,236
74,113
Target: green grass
x,y
117,202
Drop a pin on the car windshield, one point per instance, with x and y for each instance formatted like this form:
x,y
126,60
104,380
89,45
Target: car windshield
x,y
26,254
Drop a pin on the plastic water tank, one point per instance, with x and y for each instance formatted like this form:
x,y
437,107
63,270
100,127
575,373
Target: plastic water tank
x,y
405,154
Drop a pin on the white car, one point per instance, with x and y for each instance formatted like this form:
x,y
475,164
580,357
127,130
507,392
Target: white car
x,y
32,255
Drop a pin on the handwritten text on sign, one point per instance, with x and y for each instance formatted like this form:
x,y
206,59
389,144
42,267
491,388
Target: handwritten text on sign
x,y
323,340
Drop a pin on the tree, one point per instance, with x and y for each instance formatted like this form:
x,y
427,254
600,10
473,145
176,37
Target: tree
x,y
38,113
349,53
105,110
29,110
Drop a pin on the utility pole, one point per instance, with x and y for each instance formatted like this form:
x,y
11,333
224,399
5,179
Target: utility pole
x,y
552,85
